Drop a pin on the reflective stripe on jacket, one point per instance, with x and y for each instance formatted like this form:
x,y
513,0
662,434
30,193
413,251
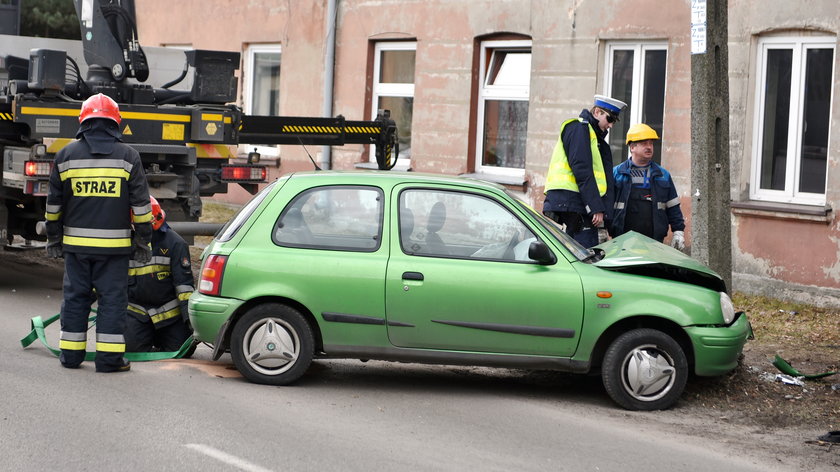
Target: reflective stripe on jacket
x,y
560,175
159,289
91,197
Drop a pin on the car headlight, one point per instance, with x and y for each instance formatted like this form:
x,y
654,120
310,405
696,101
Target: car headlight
x,y
727,308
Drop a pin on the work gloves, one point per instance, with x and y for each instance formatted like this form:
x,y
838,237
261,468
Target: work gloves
x,y
603,235
55,233
678,240
141,242
55,250
185,315
142,252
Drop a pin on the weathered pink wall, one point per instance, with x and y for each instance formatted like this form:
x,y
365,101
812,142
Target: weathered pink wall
x,y
789,255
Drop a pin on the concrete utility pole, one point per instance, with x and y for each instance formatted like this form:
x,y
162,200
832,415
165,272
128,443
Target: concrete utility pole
x,y
711,232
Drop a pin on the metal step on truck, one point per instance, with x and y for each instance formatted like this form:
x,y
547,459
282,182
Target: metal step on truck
x,y
177,112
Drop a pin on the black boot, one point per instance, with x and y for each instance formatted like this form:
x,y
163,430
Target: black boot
x,y
124,367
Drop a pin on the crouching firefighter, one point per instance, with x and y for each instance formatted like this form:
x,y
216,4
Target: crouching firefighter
x,y
158,290
95,182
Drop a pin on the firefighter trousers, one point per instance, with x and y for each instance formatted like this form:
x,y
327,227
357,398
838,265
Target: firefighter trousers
x,y
108,275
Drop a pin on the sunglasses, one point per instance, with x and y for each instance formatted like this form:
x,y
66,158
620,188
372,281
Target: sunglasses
x,y
611,118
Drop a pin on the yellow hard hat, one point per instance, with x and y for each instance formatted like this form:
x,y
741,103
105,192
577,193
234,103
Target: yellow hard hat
x,y
641,132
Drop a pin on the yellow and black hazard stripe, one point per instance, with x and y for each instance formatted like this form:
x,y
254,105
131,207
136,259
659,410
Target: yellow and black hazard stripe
x,y
364,129
7,117
311,129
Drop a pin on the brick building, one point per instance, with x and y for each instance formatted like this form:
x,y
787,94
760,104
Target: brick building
x,y
481,86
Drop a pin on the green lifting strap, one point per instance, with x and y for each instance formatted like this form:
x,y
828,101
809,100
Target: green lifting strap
x,y
37,325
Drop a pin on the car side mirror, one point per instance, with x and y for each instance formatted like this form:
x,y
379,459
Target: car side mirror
x,y
540,252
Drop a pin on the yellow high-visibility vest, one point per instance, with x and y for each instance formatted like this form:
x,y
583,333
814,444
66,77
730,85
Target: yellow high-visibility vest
x,y
560,176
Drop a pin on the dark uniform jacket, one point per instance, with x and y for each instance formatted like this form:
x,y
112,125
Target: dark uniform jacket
x,y
95,184
589,200
663,198
158,290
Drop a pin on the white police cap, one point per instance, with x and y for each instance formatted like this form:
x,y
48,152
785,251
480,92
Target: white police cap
x,y
610,104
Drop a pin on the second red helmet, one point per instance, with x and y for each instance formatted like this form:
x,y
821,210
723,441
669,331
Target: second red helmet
x,y
158,215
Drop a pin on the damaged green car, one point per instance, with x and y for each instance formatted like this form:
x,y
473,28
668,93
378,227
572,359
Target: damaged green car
x,y
430,269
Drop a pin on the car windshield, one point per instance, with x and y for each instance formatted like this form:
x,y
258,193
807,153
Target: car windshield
x,y
229,230
580,252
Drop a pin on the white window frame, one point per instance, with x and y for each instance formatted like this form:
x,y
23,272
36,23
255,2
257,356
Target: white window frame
x,y
799,45
637,93
497,92
389,89
247,91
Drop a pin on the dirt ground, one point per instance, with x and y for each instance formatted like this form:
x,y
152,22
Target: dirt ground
x,y
752,395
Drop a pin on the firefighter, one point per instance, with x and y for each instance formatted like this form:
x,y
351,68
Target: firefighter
x,y
158,291
95,183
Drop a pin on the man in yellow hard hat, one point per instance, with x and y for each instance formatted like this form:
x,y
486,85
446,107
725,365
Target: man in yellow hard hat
x,y
646,199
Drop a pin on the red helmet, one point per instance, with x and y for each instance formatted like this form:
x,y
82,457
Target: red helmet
x,y
100,106
158,215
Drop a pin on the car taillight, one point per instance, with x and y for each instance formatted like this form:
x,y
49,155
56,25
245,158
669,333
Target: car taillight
x,y
211,275
243,173
37,168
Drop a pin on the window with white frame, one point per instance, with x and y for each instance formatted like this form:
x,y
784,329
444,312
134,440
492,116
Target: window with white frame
x,y
792,118
262,86
636,76
505,77
393,89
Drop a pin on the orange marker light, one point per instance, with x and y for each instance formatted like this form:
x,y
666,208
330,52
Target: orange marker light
x,y
604,294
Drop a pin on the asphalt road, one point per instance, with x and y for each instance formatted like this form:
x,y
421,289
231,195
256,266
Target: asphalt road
x,y
343,415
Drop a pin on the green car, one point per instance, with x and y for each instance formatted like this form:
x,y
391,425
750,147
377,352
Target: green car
x,y
443,270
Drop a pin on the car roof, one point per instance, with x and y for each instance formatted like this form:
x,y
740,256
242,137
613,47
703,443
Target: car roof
x,y
392,178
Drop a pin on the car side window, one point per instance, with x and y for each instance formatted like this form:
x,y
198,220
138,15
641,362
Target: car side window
x,y
332,217
460,225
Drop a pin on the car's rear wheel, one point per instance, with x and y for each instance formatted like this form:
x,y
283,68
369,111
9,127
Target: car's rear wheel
x,y
272,344
645,369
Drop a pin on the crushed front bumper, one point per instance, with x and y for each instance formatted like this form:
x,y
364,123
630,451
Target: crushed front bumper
x,y
717,348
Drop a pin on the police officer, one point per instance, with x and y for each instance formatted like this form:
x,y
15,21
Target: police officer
x,y
578,186
95,183
646,199
158,291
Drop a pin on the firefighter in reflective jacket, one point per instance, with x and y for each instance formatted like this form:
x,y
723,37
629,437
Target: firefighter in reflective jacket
x,y
95,182
158,291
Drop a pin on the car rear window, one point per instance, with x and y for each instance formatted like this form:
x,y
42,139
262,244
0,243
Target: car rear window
x,y
232,226
336,217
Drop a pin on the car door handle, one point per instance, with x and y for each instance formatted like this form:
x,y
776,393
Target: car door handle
x,y
412,276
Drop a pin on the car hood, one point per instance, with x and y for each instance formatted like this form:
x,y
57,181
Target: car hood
x,y
637,254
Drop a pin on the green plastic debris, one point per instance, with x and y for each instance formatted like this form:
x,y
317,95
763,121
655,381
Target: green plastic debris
x,y
786,368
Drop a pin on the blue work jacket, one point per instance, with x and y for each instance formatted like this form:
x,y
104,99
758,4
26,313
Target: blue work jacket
x,y
666,203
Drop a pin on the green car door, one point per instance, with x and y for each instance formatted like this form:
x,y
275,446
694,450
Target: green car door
x,y
459,278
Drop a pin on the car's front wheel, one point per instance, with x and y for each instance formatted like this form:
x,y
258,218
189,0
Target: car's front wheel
x,y
272,344
645,369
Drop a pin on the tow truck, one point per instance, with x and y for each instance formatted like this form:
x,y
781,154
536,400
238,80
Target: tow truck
x,y
186,134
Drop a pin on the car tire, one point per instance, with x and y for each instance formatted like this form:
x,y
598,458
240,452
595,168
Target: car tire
x,y
645,369
272,344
